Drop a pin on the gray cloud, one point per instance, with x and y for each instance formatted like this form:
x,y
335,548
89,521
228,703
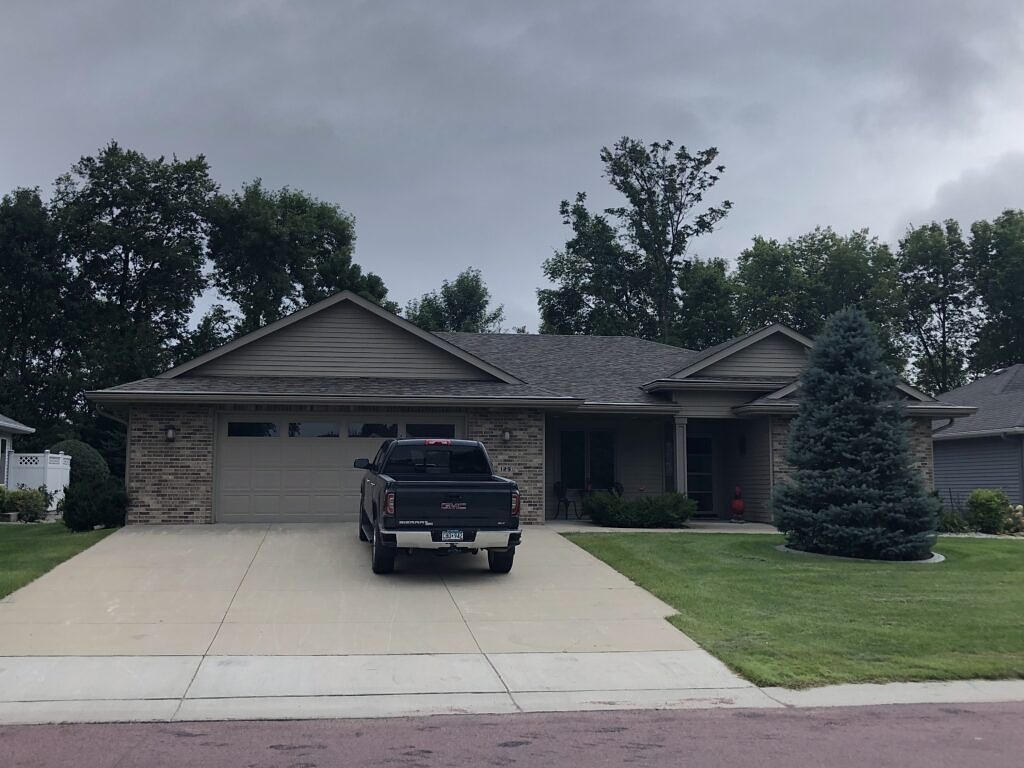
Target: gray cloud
x,y
452,129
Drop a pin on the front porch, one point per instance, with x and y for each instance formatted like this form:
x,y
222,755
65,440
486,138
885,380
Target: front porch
x,y
643,455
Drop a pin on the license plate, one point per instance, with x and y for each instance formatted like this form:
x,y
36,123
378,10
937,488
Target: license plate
x,y
452,535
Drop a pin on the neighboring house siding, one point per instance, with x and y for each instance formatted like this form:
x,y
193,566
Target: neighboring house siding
x,y
639,452
170,482
343,340
775,357
710,405
986,462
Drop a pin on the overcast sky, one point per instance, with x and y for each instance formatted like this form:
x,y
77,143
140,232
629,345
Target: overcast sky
x,y
451,130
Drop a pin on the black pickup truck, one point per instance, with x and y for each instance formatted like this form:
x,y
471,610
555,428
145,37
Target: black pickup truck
x,y
440,495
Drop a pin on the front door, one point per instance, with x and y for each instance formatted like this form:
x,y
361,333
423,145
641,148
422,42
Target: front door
x,y
700,474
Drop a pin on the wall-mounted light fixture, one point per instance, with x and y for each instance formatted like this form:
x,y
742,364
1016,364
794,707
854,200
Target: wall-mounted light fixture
x,y
170,433
506,435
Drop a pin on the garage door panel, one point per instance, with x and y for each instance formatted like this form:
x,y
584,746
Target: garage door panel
x,y
290,477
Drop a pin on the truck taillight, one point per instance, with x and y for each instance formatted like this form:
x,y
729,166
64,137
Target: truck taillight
x,y
389,503
515,503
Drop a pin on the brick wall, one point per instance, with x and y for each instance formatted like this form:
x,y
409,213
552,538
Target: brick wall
x,y
521,458
170,481
919,436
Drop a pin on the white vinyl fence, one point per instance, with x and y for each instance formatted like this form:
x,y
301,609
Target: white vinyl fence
x,y
37,470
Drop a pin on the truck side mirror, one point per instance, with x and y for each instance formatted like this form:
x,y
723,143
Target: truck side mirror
x,y
361,463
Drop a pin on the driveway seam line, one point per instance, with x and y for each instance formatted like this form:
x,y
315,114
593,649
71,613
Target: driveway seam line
x,y
497,674
220,626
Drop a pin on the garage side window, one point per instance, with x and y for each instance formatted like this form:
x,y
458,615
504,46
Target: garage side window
x,y
313,429
430,430
372,430
252,429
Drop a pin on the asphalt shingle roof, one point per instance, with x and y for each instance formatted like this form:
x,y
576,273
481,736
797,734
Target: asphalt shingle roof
x,y
600,369
999,398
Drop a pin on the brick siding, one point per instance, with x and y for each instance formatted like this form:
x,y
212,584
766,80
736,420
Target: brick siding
x,y
521,458
170,481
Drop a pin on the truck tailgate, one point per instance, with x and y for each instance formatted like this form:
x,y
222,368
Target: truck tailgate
x,y
466,504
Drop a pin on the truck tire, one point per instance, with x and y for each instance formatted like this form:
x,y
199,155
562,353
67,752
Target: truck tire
x,y
501,562
363,520
382,559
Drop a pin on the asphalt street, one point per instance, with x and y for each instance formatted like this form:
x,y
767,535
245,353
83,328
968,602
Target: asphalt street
x,y
936,736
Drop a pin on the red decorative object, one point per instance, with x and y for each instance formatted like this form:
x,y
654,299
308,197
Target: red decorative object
x,y
738,506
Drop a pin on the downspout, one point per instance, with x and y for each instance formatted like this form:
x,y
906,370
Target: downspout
x,y
947,425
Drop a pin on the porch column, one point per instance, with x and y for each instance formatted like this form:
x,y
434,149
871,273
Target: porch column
x,y
680,453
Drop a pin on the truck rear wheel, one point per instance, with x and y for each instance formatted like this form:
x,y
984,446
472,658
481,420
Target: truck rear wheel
x,y
382,559
501,562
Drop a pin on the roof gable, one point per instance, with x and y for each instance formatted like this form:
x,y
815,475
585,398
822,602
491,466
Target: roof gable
x,y
343,336
772,352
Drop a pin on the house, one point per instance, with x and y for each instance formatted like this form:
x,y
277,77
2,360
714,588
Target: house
x,y
985,450
265,428
8,429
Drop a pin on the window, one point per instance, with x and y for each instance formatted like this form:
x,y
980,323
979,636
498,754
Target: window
x,y
437,460
252,429
313,429
588,459
430,430
372,430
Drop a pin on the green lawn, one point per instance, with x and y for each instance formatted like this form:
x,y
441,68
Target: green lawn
x,y
796,621
29,551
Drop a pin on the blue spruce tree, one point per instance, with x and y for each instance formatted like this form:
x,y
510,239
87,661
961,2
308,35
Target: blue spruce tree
x,y
853,490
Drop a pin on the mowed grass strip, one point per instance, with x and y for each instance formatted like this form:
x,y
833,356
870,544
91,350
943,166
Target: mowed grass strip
x,y
28,551
797,621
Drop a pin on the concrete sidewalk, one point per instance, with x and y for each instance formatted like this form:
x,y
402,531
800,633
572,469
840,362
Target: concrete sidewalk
x,y
187,688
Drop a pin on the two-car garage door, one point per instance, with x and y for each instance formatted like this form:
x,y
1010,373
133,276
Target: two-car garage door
x,y
297,467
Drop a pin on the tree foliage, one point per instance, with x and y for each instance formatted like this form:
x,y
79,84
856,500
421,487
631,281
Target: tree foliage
x,y
275,251
135,231
997,266
707,304
937,300
463,304
664,187
853,490
804,280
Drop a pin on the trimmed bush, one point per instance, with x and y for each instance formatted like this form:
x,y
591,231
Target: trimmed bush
x,y
87,463
88,504
669,510
951,521
988,510
29,505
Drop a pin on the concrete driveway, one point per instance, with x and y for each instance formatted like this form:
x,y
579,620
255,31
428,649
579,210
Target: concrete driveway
x,y
203,616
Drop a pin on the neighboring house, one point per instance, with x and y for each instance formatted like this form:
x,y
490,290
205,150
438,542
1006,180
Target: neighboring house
x,y
8,429
31,470
265,428
985,450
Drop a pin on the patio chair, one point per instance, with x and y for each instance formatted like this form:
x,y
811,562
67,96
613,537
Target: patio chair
x,y
564,502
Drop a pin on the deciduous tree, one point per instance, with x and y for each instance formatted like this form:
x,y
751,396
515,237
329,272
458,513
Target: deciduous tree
x,y
937,299
997,267
664,187
463,304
